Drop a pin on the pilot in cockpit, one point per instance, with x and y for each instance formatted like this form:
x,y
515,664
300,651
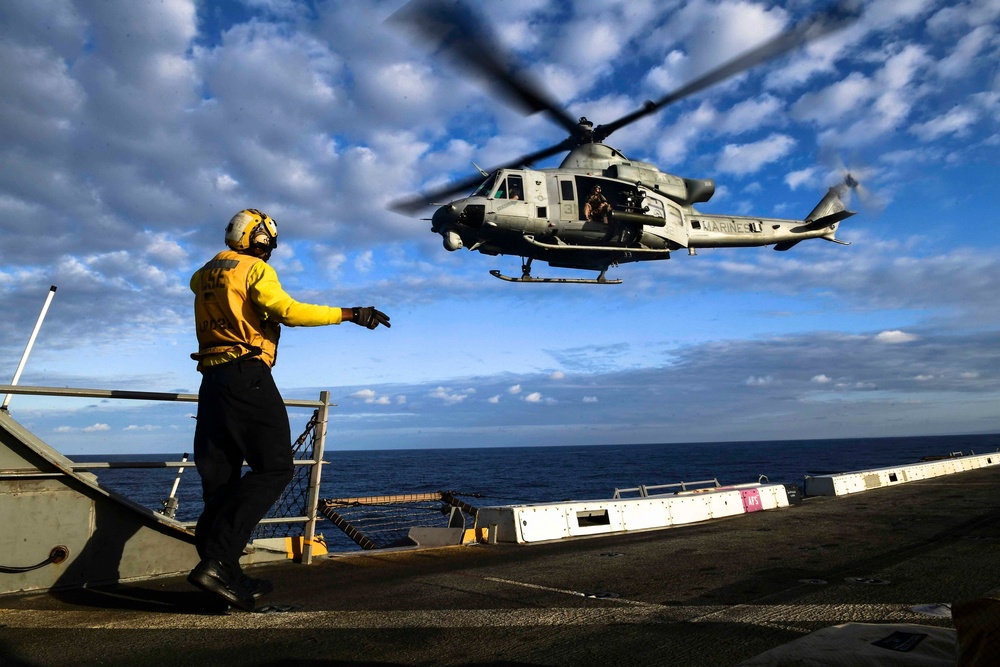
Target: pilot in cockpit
x,y
510,189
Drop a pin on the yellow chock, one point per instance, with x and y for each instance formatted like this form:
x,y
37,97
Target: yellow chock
x,y
476,535
293,545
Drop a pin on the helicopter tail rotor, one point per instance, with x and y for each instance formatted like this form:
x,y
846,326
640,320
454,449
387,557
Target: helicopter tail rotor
x,y
852,181
868,199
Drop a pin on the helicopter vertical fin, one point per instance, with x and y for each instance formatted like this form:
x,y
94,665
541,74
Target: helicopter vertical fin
x,y
829,204
828,212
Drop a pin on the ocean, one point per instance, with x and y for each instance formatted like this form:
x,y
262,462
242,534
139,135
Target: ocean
x,y
516,475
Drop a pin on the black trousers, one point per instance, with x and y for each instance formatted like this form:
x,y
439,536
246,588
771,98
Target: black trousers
x,y
241,416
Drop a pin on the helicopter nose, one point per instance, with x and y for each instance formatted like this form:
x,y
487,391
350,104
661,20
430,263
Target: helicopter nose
x,y
443,218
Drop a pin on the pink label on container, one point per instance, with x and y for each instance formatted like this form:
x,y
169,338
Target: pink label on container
x,y
751,500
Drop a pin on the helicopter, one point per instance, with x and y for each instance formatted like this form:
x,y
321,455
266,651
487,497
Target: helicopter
x,y
599,208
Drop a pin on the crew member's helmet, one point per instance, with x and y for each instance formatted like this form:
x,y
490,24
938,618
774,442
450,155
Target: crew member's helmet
x,y
251,229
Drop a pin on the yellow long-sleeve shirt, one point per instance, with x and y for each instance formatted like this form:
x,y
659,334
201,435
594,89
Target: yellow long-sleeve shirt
x,y
239,304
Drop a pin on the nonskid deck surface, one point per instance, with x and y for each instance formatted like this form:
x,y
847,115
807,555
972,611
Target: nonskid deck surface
x,y
709,594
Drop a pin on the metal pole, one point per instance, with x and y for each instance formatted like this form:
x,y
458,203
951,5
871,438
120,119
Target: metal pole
x,y
31,342
170,504
177,480
315,475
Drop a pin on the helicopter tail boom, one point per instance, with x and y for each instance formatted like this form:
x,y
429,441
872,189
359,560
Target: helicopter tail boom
x,y
826,216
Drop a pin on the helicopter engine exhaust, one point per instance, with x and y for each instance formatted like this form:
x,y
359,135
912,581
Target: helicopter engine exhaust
x,y
452,241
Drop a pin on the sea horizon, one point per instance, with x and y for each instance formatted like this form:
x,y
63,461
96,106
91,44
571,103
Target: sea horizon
x,y
973,434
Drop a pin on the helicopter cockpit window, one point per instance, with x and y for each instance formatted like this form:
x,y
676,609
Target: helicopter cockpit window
x,y
510,188
486,186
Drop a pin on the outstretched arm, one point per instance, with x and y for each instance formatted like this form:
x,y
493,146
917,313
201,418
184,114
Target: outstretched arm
x,y
268,295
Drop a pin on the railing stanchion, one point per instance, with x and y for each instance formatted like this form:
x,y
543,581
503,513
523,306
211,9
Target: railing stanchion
x,y
31,343
315,476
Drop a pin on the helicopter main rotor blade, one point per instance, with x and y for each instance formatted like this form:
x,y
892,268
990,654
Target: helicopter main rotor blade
x,y
455,28
411,205
816,26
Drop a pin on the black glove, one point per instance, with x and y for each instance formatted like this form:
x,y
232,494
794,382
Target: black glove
x,y
369,317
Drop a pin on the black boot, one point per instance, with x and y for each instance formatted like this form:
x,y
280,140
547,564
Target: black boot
x,y
224,581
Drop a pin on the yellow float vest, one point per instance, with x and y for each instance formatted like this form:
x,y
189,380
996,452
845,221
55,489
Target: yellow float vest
x,y
229,326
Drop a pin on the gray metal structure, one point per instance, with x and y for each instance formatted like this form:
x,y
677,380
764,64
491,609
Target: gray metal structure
x,y
62,529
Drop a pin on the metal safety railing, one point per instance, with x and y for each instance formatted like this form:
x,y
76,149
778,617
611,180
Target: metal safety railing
x,y
321,406
644,490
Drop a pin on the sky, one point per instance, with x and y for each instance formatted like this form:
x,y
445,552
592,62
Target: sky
x,y
130,132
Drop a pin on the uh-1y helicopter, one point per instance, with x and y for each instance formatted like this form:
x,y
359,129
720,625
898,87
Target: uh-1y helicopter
x,y
598,209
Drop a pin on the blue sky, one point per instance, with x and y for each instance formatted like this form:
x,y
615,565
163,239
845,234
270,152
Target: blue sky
x,y
131,132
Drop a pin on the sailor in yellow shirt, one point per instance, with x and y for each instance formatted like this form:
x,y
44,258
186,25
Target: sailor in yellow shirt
x,y
239,307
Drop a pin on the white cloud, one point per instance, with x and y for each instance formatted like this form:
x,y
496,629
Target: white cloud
x,y
856,386
758,381
962,58
957,121
837,101
363,262
226,183
750,115
895,336
371,397
803,177
514,389
749,158
675,143
451,397
820,379
95,428
557,375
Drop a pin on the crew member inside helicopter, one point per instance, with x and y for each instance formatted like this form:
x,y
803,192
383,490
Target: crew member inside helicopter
x,y
510,188
515,188
596,207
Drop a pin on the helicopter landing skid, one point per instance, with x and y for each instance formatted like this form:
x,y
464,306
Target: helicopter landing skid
x,y
578,281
